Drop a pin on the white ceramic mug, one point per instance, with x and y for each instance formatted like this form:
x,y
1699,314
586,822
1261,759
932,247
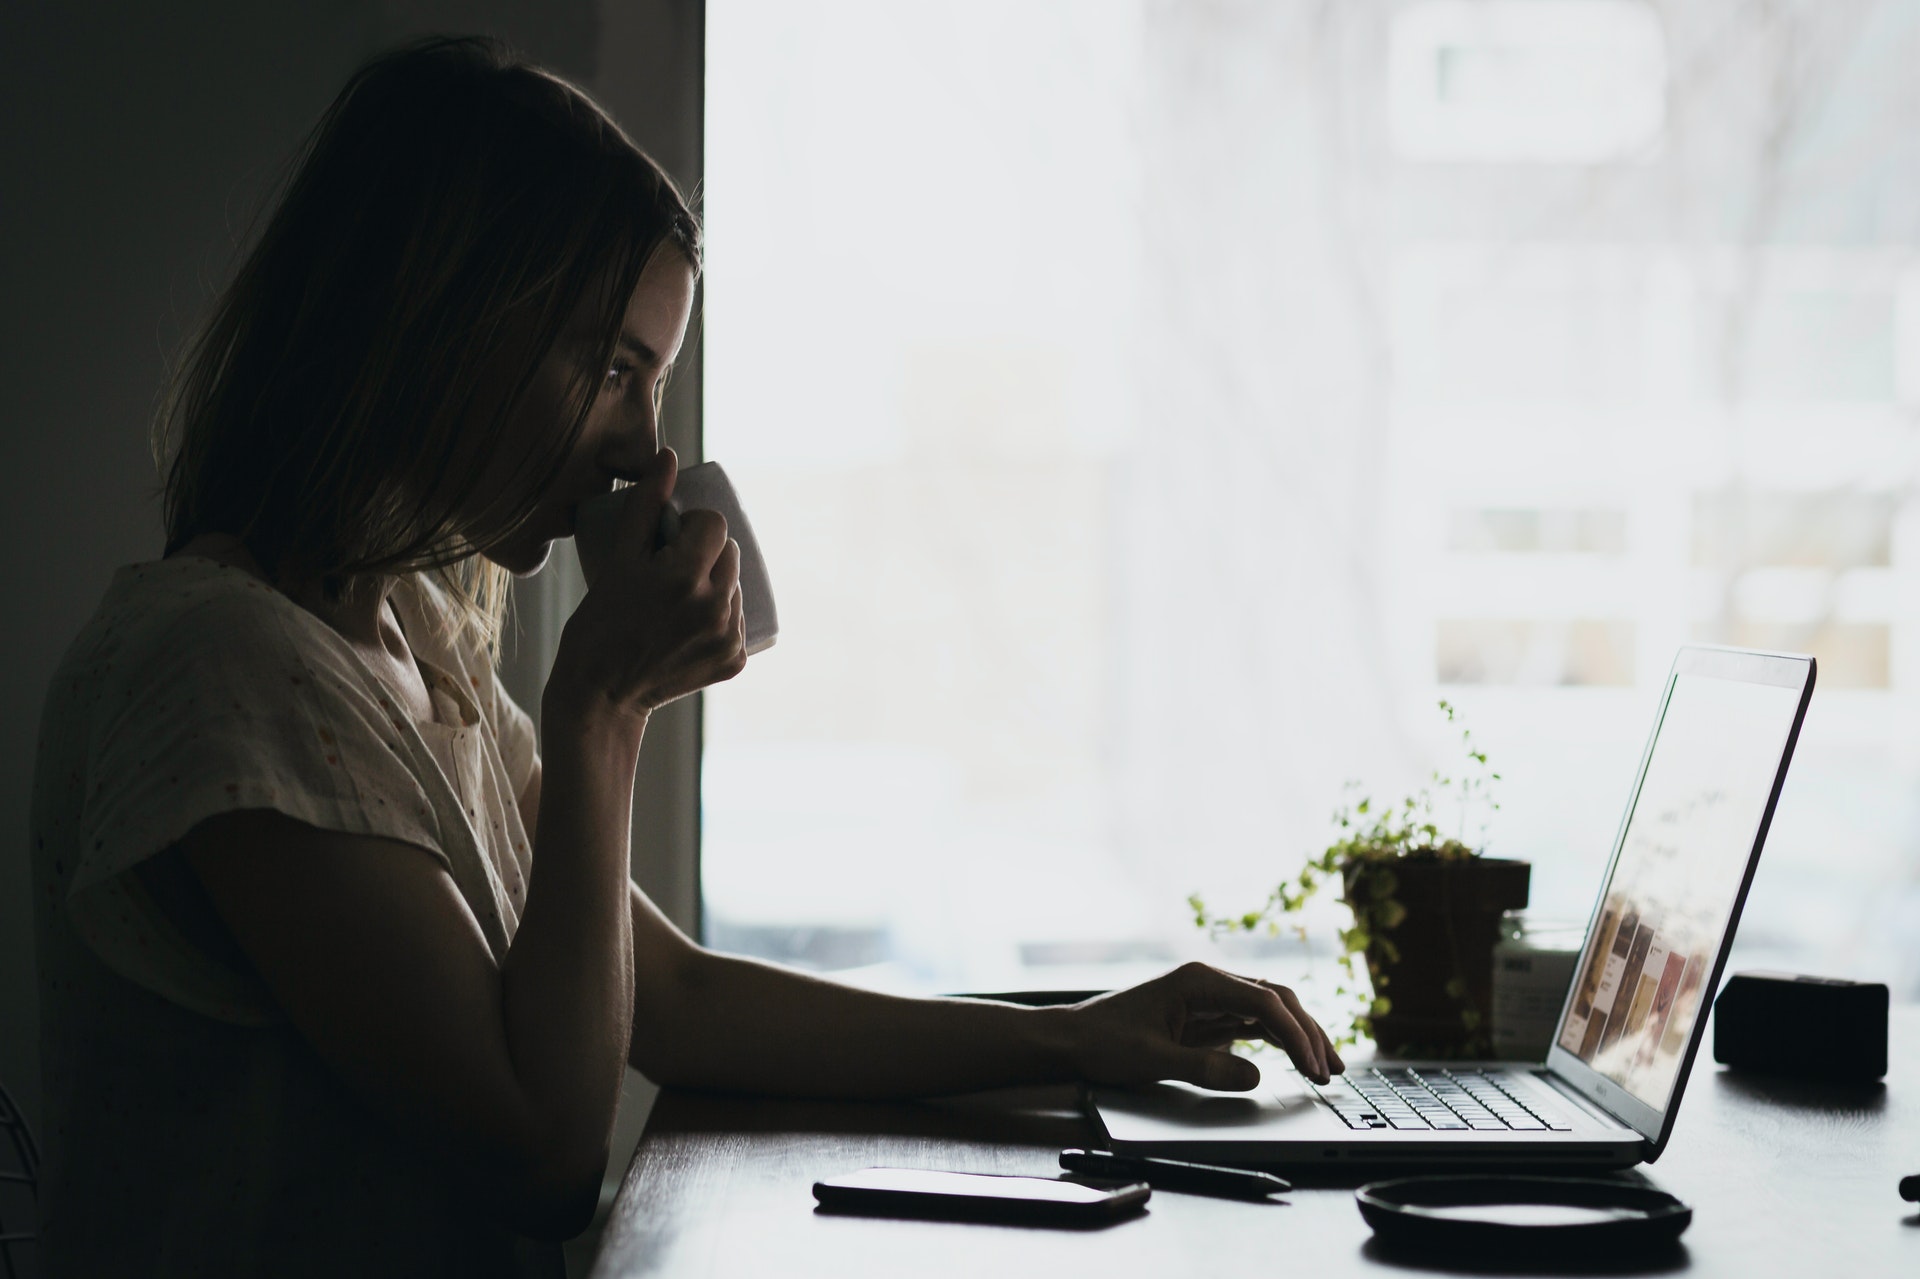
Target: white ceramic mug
x,y
704,487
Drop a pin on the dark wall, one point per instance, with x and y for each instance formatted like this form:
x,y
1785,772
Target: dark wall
x,y
136,141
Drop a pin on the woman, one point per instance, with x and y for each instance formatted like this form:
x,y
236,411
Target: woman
x,y
340,975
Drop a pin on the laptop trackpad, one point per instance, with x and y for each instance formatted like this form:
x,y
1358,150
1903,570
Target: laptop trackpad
x,y
1282,1108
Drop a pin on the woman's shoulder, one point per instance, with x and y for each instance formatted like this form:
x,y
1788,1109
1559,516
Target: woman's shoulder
x,y
176,632
188,608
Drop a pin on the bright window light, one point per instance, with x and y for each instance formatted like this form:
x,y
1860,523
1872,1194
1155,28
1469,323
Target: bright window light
x,y
1144,432
1541,81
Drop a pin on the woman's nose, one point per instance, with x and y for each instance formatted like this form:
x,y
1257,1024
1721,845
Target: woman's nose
x,y
628,449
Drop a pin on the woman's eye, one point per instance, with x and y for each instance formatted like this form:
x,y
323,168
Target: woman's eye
x,y
617,375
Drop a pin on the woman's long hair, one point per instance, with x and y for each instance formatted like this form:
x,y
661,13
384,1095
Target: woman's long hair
x,y
454,210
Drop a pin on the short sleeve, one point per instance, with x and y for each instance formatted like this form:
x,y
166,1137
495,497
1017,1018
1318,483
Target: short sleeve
x,y
236,701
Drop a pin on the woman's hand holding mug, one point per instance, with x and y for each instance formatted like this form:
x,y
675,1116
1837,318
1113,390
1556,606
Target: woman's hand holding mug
x,y
659,621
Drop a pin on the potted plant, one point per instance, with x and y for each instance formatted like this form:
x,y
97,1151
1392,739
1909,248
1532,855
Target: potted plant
x,y
1426,912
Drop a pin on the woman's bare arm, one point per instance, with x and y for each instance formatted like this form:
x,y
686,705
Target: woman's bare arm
x,y
514,1067
706,1020
380,964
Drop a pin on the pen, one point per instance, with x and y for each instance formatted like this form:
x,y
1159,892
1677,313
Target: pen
x,y
1173,1174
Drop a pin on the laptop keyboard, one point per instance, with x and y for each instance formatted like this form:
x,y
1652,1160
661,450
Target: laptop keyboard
x,y
1449,1100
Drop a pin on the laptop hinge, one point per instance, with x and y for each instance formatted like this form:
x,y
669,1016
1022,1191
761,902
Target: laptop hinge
x,y
1593,1109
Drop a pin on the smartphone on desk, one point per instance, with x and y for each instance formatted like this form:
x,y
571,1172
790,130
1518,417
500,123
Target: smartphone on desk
x,y
973,1196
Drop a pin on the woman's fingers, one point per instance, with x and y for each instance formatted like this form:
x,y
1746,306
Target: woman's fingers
x,y
672,620
1219,1033
1214,1030
1211,990
1292,1001
724,577
639,521
1181,1025
703,538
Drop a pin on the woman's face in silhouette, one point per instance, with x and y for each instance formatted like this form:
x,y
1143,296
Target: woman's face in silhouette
x,y
622,431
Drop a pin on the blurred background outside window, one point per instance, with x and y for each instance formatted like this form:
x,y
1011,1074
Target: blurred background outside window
x,y
1150,410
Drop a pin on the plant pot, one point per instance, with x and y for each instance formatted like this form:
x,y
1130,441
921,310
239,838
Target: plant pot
x,y
1435,966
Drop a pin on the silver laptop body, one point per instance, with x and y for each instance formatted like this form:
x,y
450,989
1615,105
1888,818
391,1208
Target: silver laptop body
x,y
1610,1088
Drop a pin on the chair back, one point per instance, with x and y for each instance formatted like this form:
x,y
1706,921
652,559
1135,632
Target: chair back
x,y
19,1192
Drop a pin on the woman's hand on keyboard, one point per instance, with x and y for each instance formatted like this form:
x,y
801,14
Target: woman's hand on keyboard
x,y
1181,1026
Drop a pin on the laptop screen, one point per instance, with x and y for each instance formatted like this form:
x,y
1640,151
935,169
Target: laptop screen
x,y
1681,861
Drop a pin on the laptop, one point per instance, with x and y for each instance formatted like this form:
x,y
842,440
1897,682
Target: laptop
x,y
1609,1091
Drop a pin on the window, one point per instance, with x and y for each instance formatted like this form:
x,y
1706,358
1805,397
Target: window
x,y
1545,81
1149,411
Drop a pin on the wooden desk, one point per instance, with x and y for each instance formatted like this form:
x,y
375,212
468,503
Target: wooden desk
x,y
1784,1179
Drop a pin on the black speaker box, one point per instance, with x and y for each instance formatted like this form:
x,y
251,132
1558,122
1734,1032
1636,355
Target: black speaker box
x,y
1809,1027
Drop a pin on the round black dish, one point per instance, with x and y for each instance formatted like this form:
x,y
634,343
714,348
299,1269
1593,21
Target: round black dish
x,y
1513,1214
